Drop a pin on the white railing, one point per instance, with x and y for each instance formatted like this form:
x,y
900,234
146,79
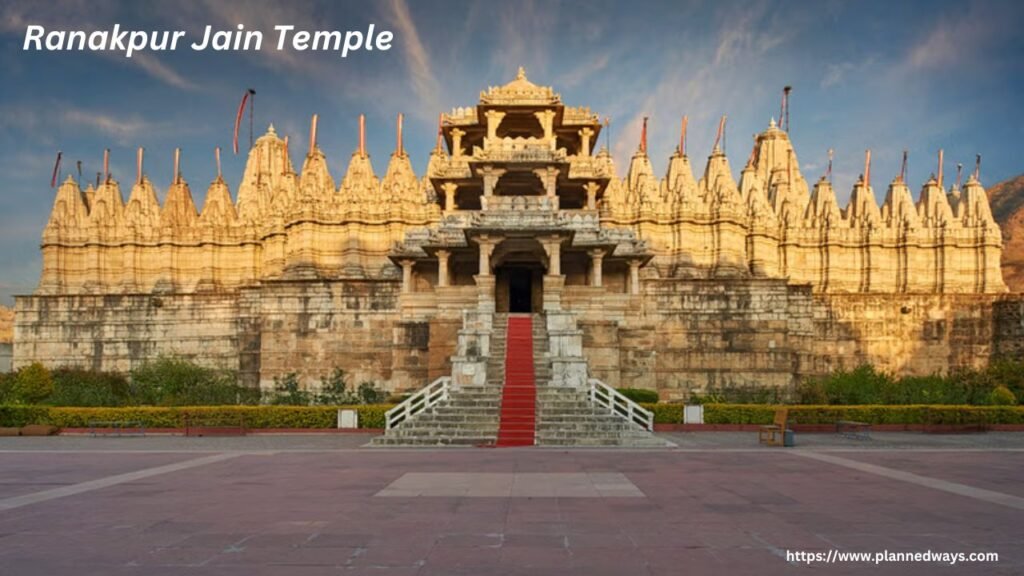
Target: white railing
x,y
426,398
619,405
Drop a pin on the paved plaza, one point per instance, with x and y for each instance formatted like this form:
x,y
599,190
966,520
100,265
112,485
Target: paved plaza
x,y
325,504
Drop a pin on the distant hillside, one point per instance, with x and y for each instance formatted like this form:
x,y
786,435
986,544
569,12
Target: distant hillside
x,y
6,324
1007,199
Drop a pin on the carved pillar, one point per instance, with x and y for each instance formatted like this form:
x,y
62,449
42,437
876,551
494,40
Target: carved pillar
x,y
493,121
487,245
591,189
553,247
585,135
491,175
596,265
546,118
634,276
407,275
442,267
457,142
449,189
549,178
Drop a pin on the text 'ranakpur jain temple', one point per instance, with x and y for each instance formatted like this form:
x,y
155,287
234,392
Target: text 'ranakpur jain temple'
x,y
674,284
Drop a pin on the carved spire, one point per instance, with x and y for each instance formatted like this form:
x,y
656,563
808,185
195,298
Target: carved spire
x,y
898,210
933,206
69,207
863,208
266,171
823,208
143,208
179,209
218,209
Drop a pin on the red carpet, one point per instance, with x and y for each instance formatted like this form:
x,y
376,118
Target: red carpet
x,y
519,395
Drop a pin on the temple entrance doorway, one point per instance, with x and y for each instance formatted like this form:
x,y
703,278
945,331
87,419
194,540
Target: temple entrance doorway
x,y
518,288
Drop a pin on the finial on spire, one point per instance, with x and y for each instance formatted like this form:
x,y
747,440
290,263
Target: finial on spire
x,y
771,123
643,137
682,137
177,166
398,137
521,74
138,165
362,136
312,133
270,129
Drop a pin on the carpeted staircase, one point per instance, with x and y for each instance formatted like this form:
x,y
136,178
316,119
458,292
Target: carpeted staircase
x,y
518,421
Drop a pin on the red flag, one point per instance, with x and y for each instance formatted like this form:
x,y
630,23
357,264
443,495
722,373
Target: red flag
x,y
56,169
238,117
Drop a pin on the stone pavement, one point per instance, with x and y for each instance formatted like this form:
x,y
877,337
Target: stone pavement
x,y
297,504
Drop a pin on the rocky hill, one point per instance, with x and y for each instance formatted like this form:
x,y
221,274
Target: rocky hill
x,y
1007,199
6,324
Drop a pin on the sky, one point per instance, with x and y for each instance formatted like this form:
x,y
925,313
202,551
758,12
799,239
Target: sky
x,y
882,75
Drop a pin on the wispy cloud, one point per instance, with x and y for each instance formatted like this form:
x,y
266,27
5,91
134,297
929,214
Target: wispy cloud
x,y
417,59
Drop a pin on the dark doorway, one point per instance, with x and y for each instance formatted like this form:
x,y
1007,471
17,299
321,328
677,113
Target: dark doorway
x,y
520,288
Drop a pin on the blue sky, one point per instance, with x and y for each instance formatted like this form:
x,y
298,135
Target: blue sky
x,y
880,75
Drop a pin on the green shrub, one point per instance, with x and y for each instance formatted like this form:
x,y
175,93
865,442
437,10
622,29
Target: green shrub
x,y
170,381
80,387
730,394
32,384
255,417
639,395
1001,396
872,414
666,413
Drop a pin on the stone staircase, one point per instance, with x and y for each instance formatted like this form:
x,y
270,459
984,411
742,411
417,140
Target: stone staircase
x,y
564,416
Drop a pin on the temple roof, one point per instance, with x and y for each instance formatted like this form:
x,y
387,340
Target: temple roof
x,y
520,92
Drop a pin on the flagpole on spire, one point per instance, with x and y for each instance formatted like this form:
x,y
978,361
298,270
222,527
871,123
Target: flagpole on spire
x,y
138,165
56,169
682,137
398,136
719,135
79,164
312,133
362,136
785,106
977,167
643,137
440,129
608,133
903,167
177,166
252,114
940,167
828,171
238,121
106,165
867,168
216,156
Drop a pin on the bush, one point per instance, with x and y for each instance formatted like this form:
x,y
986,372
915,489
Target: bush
x,y
666,413
872,414
738,395
79,387
256,417
639,395
169,381
1001,396
32,384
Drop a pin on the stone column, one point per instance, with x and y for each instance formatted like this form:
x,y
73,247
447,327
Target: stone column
x,y
634,276
493,121
449,196
591,189
553,247
407,275
585,135
596,265
549,178
487,245
491,176
457,142
442,267
546,118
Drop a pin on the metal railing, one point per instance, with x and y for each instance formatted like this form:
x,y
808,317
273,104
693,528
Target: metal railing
x,y
619,405
426,398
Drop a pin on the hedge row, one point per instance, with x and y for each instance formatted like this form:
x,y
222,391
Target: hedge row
x,y
872,414
370,416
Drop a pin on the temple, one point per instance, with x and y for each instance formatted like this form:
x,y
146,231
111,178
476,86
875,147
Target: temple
x,y
675,284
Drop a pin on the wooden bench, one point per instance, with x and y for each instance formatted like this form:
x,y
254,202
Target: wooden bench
x,y
854,429
774,434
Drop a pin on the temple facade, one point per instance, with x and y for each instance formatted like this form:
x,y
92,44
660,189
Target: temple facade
x,y
677,284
